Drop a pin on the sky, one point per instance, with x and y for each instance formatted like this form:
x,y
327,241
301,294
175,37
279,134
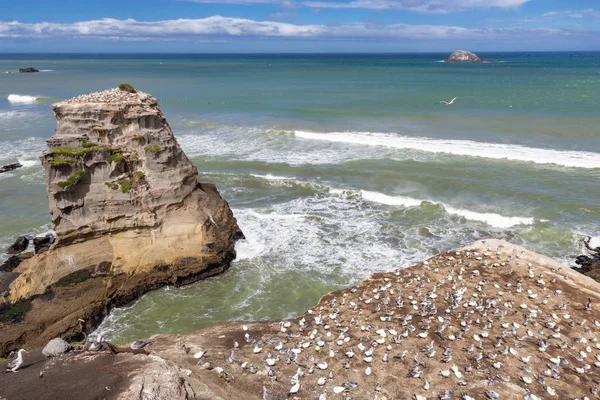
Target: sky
x,y
297,26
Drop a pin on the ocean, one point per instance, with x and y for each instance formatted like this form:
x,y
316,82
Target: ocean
x,y
336,166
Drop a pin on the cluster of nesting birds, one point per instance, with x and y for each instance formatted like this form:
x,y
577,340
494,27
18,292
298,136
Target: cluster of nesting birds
x,y
462,325
114,95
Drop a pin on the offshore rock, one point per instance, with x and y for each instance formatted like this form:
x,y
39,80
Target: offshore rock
x,y
488,321
28,69
463,56
129,214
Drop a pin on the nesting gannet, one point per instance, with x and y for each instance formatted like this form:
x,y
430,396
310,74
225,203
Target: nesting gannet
x,y
15,364
139,344
97,345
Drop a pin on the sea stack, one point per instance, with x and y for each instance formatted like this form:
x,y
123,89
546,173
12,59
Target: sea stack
x,y
463,56
129,212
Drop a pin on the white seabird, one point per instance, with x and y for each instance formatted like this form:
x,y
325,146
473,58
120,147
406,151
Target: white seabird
x,y
97,345
15,364
448,103
139,344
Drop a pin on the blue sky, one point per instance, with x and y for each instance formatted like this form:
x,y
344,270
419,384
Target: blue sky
x,y
213,26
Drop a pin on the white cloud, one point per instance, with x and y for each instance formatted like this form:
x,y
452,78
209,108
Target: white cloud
x,y
283,15
288,4
425,6
578,14
221,28
550,14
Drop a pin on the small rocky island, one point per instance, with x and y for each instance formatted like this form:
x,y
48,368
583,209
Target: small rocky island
x,y
462,56
28,70
129,215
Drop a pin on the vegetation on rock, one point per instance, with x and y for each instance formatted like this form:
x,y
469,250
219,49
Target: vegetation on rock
x,y
152,148
126,87
62,161
115,157
88,145
72,179
125,185
15,312
140,138
74,151
75,277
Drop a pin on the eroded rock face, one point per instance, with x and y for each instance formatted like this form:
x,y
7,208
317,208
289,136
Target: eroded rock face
x,y
463,56
113,164
129,214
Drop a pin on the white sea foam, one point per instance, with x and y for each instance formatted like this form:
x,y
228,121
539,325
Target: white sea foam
x,y
491,219
580,159
30,163
594,242
270,177
26,151
19,98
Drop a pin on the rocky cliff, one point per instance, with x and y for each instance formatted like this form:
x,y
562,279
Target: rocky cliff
x,y
490,321
129,214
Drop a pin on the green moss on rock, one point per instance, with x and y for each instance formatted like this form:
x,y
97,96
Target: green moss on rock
x,y
72,179
125,185
116,157
126,87
62,161
75,277
15,312
152,148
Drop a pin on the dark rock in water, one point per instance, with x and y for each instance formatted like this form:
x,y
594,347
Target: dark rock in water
x,y
28,69
10,264
41,243
589,265
19,245
10,167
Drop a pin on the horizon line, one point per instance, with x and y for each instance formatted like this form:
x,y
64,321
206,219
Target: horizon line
x,y
295,53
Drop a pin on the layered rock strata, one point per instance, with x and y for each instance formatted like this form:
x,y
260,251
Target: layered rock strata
x,y
129,214
490,321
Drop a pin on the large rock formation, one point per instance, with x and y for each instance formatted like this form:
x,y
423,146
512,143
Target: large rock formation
x,y
129,214
463,56
490,321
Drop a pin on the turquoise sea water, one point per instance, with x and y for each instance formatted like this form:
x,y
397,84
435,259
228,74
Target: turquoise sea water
x,y
336,166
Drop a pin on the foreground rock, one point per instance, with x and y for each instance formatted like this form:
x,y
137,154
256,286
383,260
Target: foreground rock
x,y
56,347
129,213
489,321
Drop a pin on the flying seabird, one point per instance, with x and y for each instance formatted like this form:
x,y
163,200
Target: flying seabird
x,y
448,103
15,364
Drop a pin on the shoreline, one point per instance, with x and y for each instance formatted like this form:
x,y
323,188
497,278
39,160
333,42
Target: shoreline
x,y
515,288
